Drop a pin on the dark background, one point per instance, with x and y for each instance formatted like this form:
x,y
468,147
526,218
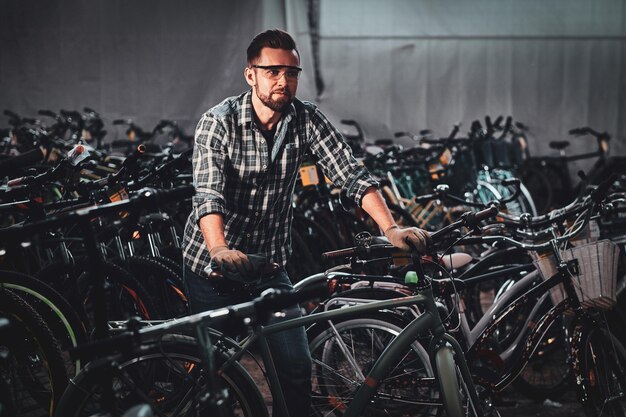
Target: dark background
x,y
392,65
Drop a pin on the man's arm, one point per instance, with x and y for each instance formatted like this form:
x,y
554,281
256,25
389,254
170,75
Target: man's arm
x,y
208,204
374,204
212,227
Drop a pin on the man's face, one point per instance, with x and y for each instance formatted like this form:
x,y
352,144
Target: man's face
x,y
275,86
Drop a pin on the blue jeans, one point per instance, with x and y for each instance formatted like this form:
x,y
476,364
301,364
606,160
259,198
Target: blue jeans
x,y
289,348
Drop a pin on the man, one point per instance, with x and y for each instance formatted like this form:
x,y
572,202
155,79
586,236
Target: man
x,y
247,153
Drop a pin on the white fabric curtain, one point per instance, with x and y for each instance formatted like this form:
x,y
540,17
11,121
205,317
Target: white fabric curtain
x,y
392,65
415,64
139,59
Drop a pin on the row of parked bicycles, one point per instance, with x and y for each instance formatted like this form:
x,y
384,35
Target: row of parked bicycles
x,y
93,316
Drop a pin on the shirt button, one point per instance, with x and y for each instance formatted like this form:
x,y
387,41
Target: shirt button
x,y
248,235
256,214
264,166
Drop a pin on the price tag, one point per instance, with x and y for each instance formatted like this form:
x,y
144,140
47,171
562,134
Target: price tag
x,y
308,175
119,195
445,157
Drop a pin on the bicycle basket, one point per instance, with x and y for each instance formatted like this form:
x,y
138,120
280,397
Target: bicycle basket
x,y
596,282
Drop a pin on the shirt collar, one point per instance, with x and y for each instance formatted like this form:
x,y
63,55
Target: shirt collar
x,y
247,111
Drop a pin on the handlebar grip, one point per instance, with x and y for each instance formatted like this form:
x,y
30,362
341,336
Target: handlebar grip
x,y
578,131
11,114
340,253
454,132
599,193
89,110
497,122
119,122
479,216
18,181
47,113
488,123
507,124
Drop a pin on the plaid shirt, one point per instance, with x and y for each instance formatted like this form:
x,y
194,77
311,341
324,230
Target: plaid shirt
x,y
235,174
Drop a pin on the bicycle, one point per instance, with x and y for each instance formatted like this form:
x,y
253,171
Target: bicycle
x,y
447,367
548,177
587,319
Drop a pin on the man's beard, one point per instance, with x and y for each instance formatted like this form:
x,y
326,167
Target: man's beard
x,y
278,105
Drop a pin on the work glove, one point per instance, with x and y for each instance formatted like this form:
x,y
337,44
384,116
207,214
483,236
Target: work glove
x,y
231,259
400,238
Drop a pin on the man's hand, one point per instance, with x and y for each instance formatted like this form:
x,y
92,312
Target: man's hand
x,y
232,258
420,239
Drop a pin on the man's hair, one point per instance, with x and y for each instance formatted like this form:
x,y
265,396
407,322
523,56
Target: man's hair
x,y
273,38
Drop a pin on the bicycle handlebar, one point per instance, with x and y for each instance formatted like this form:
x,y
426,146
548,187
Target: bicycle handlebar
x,y
146,198
586,130
596,196
468,219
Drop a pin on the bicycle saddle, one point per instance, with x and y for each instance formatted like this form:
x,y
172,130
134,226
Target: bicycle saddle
x,y
559,144
261,270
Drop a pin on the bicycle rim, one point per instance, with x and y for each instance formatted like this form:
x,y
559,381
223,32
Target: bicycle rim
x,y
168,376
341,358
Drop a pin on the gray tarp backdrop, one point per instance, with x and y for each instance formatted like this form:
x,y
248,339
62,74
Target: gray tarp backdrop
x,y
392,65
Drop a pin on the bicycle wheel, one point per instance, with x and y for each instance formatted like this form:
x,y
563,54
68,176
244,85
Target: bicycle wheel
x,y
548,374
34,365
343,354
603,370
57,313
168,375
164,285
127,296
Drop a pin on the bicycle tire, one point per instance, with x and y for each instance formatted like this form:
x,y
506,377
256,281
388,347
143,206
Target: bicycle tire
x,y
170,263
602,370
451,386
81,399
401,394
127,297
74,283
55,310
547,374
164,285
37,363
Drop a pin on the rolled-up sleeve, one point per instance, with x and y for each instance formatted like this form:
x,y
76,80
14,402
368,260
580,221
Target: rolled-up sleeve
x,y
209,157
336,159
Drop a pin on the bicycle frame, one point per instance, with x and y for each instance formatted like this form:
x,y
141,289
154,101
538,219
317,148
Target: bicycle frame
x,y
429,320
520,352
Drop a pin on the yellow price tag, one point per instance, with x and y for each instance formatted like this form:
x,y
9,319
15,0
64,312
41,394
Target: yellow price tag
x,y
446,157
308,175
120,195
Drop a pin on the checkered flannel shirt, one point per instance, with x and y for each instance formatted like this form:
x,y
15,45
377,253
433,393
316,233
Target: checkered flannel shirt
x,y
235,174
